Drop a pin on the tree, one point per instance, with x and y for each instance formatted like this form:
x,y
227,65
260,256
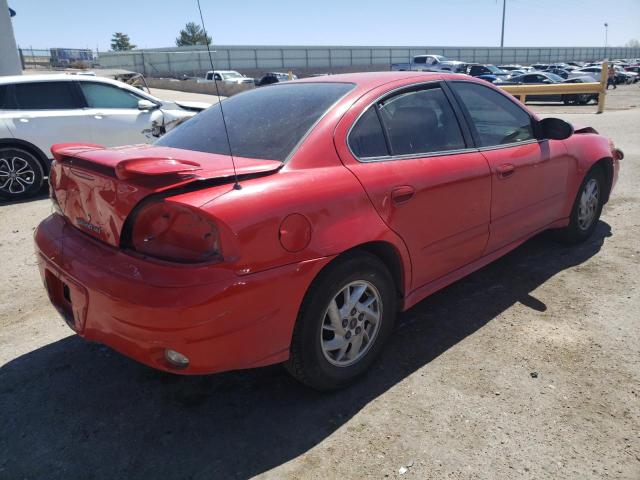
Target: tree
x,y
192,34
633,43
121,42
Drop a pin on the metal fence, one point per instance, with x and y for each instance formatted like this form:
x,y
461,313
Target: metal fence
x,y
195,60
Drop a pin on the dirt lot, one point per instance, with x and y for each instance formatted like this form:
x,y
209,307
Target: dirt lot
x,y
529,368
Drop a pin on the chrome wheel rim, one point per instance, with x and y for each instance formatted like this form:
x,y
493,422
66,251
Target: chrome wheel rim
x,y
16,175
588,206
351,323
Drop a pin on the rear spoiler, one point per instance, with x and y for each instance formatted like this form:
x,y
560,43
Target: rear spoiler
x,y
69,153
139,167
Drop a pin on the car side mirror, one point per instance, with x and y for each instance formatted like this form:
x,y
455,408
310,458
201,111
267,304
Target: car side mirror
x,y
146,105
555,129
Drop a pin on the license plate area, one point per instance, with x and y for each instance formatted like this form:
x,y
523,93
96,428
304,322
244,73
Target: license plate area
x,y
69,298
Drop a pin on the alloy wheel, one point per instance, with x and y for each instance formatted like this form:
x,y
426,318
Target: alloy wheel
x,y
588,206
351,323
16,175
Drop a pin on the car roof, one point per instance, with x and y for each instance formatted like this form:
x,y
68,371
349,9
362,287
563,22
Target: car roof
x,y
55,77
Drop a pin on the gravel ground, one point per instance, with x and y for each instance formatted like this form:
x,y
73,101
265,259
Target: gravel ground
x,y
528,368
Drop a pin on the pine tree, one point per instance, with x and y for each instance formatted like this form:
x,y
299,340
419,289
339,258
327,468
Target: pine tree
x,y
121,42
192,34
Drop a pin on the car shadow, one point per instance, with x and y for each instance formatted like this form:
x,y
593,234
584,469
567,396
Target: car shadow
x,y
73,409
41,195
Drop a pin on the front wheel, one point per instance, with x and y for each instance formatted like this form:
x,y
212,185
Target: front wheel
x,y
346,317
586,208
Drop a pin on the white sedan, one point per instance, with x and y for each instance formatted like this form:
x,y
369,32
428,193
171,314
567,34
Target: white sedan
x,y
37,111
594,72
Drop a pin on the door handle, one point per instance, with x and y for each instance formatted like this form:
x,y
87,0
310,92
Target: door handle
x,y
506,170
402,194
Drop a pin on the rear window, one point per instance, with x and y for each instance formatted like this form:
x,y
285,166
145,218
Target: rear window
x,y
46,96
264,123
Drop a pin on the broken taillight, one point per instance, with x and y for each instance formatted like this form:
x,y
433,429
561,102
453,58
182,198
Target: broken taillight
x,y
52,192
175,232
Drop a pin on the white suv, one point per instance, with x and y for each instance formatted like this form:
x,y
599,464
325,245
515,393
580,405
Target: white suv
x,y
37,111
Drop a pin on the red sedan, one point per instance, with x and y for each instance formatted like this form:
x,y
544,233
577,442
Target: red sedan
x,y
349,198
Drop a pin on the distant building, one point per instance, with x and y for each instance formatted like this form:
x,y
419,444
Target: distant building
x,y
67,56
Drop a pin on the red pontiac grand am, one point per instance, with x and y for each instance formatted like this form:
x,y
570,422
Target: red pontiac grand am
x,y
353,197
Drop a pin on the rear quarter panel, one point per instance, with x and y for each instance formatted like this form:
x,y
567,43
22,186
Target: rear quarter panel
x,y
339,215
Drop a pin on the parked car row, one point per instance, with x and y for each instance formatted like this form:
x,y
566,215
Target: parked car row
x,y
626,71
514,74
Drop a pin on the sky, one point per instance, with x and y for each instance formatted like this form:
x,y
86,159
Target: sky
x,y
151,24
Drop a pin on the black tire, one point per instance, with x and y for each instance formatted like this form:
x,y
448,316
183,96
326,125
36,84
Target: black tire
x,y
308,362
21,174
584,99
577,231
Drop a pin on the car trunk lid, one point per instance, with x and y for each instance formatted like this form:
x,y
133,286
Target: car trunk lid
x,y
97,188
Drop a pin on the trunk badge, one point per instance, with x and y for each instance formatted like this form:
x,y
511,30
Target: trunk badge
x,y
88,225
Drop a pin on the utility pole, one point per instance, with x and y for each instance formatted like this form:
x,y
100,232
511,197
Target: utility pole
x,y
504,8
9,57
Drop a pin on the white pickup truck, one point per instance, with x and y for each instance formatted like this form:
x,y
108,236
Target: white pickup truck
x,y
229,77
431,63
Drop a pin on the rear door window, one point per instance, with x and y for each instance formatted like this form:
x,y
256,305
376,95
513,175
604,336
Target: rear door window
x,y
47,96
100,95
413,122
420,122
496,120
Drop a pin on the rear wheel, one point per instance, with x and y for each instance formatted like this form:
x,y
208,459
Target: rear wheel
x,y
21,174
586,208
346,316
584,98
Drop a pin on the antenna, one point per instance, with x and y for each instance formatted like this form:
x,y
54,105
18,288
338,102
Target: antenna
x,y
236,185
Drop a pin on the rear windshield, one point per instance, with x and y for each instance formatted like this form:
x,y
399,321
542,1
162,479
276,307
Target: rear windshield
x,y
264,123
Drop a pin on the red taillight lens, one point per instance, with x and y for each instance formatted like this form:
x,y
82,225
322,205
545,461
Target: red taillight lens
x,y
175,232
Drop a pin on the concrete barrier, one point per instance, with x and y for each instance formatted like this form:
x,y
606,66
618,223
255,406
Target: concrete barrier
x,y
193,86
